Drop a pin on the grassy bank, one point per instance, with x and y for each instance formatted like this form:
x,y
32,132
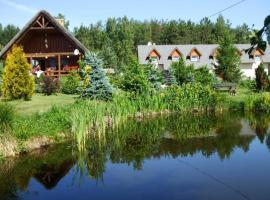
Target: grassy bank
x,y
67,116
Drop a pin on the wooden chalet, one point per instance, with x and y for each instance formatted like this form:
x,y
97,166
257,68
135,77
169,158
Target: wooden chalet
x,y
47,43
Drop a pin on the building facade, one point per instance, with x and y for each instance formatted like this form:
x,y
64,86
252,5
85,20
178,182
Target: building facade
x,y
201,55
48,44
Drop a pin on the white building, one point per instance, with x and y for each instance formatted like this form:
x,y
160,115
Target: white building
x,y
200,55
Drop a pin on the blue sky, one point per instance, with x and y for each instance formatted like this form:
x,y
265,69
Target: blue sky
x,y
79,12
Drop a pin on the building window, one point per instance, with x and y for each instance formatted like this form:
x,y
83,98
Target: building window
x,y
257,58
154,60
194,58
175,58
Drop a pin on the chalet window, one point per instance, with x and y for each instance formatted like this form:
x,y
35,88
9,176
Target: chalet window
x,y
194,58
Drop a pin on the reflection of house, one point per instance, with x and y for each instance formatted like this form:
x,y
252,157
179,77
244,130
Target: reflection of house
x,y
47,42
201,54
50,175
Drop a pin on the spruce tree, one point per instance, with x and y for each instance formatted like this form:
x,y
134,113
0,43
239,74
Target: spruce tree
x,y
18,83
96,83
228,59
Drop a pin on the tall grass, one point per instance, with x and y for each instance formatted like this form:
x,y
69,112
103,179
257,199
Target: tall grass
x,y
6,114
90,118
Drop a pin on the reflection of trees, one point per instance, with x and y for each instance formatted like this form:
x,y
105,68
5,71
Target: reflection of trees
x,y
260,124
132,143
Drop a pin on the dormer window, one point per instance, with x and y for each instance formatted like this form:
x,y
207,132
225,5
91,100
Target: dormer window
x,y
175,55
175,58
153,57
257,55
257,58
194,55
194,58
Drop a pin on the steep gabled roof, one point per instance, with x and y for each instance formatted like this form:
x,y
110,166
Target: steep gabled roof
x,y
156,52
195,49
177,50
31,22
206,49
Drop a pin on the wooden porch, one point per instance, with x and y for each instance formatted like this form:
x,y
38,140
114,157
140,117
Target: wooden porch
x,y
54,64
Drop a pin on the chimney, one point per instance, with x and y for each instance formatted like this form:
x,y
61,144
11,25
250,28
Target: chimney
x,y
149,44
61,21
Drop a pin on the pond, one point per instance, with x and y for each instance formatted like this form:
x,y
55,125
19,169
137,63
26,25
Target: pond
x,y
213,156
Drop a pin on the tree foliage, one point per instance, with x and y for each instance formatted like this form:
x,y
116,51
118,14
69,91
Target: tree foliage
x,y
96,84
262,81
228,59
257,37
7,33
18,83
134,79
183,73
116,39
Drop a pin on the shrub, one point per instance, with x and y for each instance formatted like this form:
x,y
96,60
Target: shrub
x,y
182,72
96,85
17,81
6,114
154,75
70,83
248,84
258,103
134,79
262,81
50,85
204,76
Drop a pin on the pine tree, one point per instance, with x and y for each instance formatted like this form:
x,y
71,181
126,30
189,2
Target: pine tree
x,y
228,59
96,83
17,80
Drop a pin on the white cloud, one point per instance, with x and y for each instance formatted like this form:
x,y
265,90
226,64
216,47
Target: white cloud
x,y
18,6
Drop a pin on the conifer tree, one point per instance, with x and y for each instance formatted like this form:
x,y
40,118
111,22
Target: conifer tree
x,y
18,83
262,81
228,59
96,83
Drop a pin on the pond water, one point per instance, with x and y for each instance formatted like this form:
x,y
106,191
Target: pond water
x,y
188,157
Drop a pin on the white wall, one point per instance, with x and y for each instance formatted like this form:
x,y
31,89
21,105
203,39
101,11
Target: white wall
x,y
248,69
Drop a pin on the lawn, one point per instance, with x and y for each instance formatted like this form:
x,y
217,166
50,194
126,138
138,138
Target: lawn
x,y
41,103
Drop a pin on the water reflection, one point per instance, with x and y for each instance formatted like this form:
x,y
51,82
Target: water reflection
x,y
133,143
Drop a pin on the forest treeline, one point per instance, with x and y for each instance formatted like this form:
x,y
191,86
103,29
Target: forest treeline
x,y
116,39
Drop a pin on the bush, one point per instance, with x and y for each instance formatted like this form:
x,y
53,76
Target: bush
x,y
154,75
134,79
183,73
258,103
17,81
6,114
204,76
262,81
70,84
50,85
248,84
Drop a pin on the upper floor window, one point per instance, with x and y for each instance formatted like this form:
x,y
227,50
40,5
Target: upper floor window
x,y
194,55
175,55
175,58
194,58
257,58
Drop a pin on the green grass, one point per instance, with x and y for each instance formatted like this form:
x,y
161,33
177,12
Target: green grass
x,y
40,103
